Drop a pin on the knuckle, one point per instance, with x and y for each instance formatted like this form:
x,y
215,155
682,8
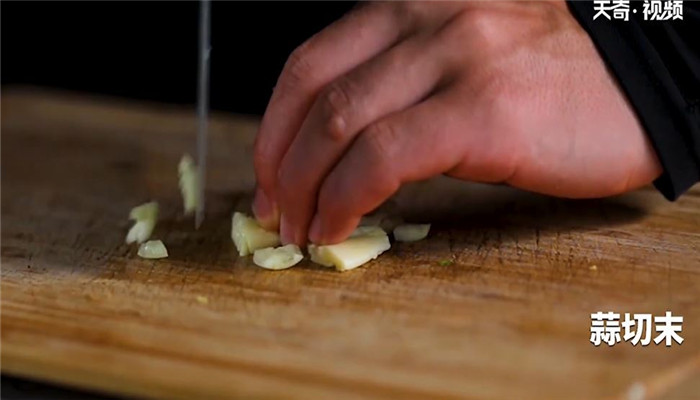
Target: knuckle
x,y
473,26
337,104
298,68
380,140
479,21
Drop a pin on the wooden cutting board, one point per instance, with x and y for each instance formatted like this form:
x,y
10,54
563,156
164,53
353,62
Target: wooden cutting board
x,y
495,304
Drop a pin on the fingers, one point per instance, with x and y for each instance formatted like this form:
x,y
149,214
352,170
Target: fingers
x,y
421,142
388,83
336,50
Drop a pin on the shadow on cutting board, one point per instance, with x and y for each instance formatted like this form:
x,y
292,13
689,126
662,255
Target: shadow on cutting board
x,y
463,209
14,388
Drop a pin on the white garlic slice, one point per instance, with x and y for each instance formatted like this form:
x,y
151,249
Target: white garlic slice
x,y
249,236
153,249
145,216
411,232
277,258
365,244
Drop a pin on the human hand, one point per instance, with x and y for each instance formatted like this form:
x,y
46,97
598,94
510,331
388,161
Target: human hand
x,y
501,92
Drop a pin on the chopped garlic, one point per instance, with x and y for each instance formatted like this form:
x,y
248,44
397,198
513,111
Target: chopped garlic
x,y
145,216
411,232
153,249
140,232
277,258
367,231
144,211
365,244
249,236
637,391
188,183
318,255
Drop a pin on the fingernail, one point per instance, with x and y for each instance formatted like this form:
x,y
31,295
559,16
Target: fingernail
x,y
315,232
286,233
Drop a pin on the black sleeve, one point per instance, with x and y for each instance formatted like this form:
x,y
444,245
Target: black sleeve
x,y
657,64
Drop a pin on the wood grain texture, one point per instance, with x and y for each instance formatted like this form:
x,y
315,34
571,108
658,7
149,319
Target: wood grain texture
x,y
508,318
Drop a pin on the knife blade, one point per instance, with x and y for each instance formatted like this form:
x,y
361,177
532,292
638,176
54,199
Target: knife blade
x,y
202,106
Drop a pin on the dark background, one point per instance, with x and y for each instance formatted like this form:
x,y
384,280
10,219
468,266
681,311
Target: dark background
x,y
148,50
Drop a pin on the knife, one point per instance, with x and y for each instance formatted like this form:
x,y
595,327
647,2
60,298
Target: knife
x,y
202,106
